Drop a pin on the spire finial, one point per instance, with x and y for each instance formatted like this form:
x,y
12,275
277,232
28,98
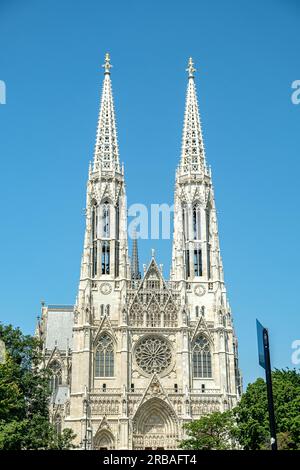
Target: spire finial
x,y
107,65
191,69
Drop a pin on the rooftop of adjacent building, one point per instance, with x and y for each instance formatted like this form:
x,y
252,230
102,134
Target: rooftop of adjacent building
x,y
59,326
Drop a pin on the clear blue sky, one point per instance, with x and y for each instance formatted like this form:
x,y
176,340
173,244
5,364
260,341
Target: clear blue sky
x,y
247,55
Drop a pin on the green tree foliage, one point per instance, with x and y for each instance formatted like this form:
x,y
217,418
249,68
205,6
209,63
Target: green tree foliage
x,y
24,397
247,426
215,431
252,412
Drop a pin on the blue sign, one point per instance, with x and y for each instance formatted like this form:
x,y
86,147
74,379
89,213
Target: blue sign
x,y
260,343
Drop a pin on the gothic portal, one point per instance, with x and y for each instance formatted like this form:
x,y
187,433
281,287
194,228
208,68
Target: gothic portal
x,y
137,356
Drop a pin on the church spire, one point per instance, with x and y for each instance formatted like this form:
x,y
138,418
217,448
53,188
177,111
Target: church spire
x,y
192,152
106,154
135,269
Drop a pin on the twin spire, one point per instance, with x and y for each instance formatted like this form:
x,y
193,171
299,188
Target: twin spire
x,y
106,154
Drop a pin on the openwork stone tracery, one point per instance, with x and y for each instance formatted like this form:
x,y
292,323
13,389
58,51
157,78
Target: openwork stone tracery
x,y
153,354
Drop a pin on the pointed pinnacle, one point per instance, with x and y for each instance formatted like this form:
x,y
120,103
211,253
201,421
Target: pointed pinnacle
x,y
135,272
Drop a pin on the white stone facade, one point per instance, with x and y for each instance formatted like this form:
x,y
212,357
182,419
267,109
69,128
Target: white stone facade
x,y
145,355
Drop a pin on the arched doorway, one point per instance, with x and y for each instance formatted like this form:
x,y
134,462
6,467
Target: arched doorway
x,y
155,426
104,440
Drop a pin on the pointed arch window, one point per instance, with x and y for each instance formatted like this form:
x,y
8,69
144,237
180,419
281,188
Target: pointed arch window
x,y
153,317
94,221
117,258
94,239
56,376
117,221
105,215
170,316
185,222
207,219
136,314
197,221
105,257
197,260
208,261
104,357
202,358
187,263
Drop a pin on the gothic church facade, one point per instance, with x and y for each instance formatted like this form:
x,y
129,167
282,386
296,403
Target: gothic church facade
x,y
138,356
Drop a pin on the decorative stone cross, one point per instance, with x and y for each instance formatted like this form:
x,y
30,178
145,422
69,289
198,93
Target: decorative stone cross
x,y
191,69
107,65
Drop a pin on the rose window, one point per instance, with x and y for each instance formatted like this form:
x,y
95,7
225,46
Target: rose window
x,y
153,355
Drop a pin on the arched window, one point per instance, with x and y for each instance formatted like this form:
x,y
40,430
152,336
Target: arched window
x,y
107,310
104,357
153,315
197,221
105,213
101,310
117,258
208,261
105,257
202,358
187,263
117,221
56,376
185,223
94,221
207,217
197,260
94,239
197,311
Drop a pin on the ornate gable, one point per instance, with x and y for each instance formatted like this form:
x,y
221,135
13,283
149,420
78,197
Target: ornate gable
x,y
105,326
55,356
202,327
154,390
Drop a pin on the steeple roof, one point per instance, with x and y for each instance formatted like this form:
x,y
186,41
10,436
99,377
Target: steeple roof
x,y
192,152
135,269
106,154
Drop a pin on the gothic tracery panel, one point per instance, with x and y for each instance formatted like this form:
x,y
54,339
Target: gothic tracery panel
x,y
202,358
153,354
104,357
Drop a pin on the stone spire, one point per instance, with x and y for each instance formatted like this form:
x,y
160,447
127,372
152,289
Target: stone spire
x,y
135,268
196,253
106,155
192,152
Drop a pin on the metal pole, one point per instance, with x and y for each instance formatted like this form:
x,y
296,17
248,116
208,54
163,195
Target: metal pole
x,y
269,390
